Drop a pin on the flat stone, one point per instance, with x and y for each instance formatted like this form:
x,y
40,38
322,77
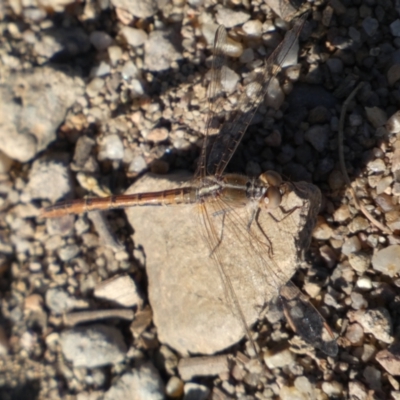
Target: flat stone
x,y
195,391
49,179
230,18
141,9
134,37
160,51
387,260
142,383
390,359
119,289
26,125
93,346
190,368
376,321
279,359
192,308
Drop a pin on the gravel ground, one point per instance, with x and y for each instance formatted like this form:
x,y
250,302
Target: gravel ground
x,y
95,94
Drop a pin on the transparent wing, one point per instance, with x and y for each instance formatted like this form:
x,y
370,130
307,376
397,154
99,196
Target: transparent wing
x,y
214,94
232,131
257,263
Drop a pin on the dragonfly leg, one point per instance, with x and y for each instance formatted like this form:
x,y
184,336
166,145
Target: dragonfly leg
x,y
268,242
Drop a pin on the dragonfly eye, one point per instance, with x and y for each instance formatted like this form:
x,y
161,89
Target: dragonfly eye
x,y
274,197
271,177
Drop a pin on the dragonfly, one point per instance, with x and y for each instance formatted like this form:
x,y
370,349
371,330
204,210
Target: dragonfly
x,y
217,194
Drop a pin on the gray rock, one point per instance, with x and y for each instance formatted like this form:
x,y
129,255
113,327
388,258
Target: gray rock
x,y
191,309
59,300
253,28
119,289
48,179
195,391
68,252
318,136
111,148
94,346
192,367
351,245
370,26
143,383
101,40
134,37
230,18
376,321
387,260
395,28
160,51
26,125
231,78
140,9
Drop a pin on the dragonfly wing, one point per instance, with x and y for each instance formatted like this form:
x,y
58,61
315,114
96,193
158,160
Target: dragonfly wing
x,y
306,321
255,260
232,130
214,94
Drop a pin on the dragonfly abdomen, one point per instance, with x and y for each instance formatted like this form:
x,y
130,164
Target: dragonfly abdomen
x,y
177,196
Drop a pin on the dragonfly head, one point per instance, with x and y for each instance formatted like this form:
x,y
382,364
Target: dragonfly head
x,y
273,195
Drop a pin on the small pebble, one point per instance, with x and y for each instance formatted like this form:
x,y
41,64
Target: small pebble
x,y
370,26
94,87
137,165
359,261
322,230
194,391
68,252
253,28
141,383
332,389
376,116
390,359
157,135
318,136
393,75
364,283
120,289
355,334
393,123
111,148
279,359
395,28
373,377
59,301
134,37
351,245
358,301
230,18
100,40
115,54
174,387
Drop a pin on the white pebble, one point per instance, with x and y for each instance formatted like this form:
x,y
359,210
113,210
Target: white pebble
x,y
134,37
253,28
111,148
